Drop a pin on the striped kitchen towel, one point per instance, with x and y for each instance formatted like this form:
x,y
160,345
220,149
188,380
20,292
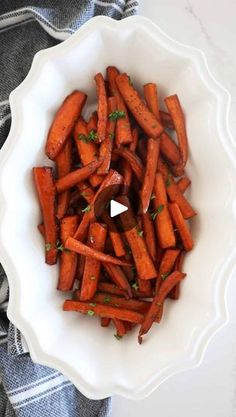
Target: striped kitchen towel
x,y
27,389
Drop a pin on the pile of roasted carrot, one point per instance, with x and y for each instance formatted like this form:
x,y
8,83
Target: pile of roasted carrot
x,y
121,269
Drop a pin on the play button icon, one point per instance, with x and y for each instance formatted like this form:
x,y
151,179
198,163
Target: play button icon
x,y
108,207
116,208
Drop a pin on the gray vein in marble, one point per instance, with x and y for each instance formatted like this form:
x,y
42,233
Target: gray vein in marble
x,y
217,53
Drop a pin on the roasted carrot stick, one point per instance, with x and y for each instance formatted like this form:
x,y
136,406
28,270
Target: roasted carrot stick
x,y
164,228
166,120
183,184
92,122
79,247
120,327
107,144
64,122
167,146
45,188
175,292
144,117
116,301
63,166
123,130
109,187
163,168
176,196
103,311
158,300
68,260
116,239
102,107
105,321
86,191
127,170
181,225
133,159
151,97
168,262
92,267
112,289
77,176
149,235
169,149
176,112
86,148
143,262
118,277
153,148
144,285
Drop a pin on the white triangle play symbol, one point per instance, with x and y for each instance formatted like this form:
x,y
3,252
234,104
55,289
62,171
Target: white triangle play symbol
x,y
116,208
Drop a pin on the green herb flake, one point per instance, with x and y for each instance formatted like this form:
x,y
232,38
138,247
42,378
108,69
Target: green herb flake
x,y
78,165
48,247
115,115
90,313
168,181
139,231
92,278
164,276
86,209
107,299
111,136
117,336
83,138
92,136
92,304
135,286
130,82
157,211
84,194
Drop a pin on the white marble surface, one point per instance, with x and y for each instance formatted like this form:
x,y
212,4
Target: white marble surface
x,y
210,389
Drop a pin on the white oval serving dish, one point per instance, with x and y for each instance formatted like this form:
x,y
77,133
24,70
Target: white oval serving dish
x,y
77,346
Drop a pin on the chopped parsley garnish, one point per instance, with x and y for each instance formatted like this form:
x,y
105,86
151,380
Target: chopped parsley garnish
x,y
115,115
111,136
107,299
164,276
61,248
139,231
92,136
86,209
117,336
83,138
157,211
135,286
90,313
48,247
92,304
168,181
